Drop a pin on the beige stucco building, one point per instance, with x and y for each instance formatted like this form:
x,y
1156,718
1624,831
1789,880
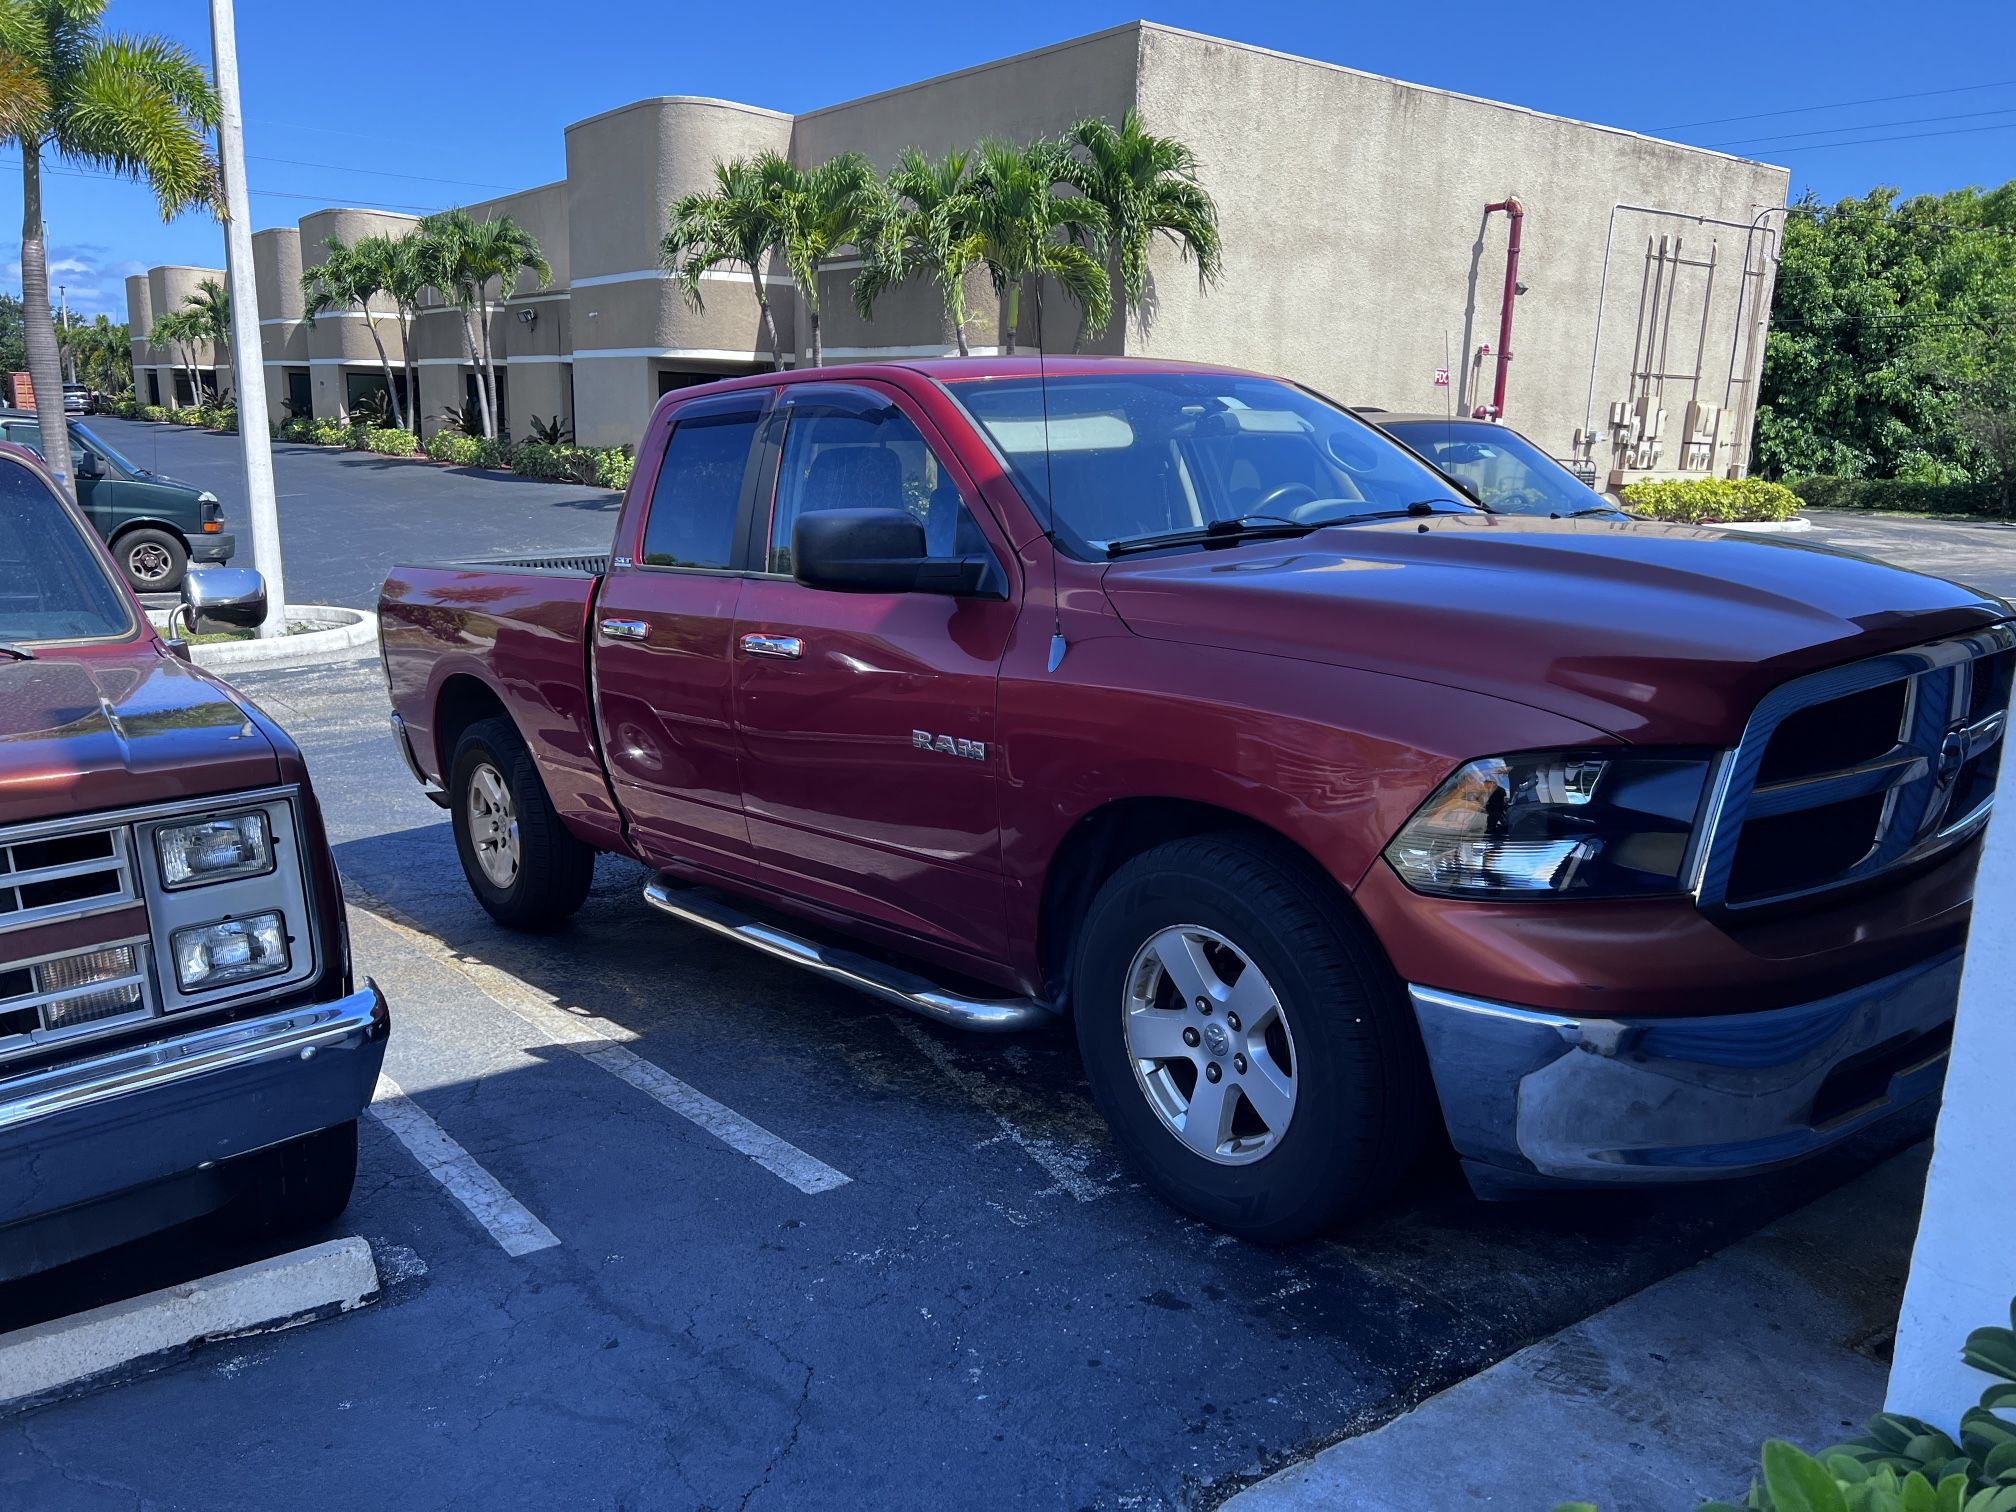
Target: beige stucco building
x,y
1359,257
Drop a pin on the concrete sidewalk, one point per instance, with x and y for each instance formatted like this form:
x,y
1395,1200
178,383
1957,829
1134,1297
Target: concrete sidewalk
x,y
1663,1400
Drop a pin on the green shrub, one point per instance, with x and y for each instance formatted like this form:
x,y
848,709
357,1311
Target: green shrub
x,y
1982,499
328,433
153,412
1902,1464
613,467
1704,501
389,441
299,428
221,417
453,446
554,463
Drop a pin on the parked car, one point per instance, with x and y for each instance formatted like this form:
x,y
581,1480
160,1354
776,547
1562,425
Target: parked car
x,y
1498,466
155,525
1180,703
77,399
180,1033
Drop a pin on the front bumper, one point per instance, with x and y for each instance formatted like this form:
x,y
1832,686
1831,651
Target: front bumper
x,y
217,547
1535,1099
80,1132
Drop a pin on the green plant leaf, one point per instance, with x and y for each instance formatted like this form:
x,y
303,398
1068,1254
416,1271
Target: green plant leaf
x,y
1993,1499
1952,1494
1993,1351
1577,1507
1999,1396
1918,1495
1799,1483
2001,1459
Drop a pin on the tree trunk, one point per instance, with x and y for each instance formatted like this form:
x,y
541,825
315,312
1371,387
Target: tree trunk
x,y
487,379
1014,313
818,347
482,394
409,365
385,362
45,369
769,319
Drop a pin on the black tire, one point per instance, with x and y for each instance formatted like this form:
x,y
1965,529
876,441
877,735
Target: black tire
x,y
151,561
1361,1099
302,1184
554,869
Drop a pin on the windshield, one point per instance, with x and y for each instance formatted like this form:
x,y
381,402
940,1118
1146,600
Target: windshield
x,y
54,584
1502,467
97,444
1134,455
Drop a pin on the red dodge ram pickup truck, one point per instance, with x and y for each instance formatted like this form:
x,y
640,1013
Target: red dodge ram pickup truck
x,y
1185,704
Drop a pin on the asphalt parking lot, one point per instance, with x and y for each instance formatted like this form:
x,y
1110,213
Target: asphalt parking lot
x,y
763,1241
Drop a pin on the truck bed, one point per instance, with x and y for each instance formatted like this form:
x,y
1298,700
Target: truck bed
x,y
467,640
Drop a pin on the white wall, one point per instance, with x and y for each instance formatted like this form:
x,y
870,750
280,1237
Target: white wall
x,y
1963,1271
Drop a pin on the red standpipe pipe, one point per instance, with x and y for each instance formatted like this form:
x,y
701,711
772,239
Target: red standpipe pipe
x,y
1516,213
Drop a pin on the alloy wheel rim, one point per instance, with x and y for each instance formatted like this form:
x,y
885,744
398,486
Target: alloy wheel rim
x,y
149,561
1210,1044
493,825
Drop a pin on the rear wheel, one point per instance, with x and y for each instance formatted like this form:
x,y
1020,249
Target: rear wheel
x,y
152,561
525,867
302,1184
1246,1039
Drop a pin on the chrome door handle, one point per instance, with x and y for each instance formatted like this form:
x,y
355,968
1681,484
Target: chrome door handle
x,y
786,646
622,629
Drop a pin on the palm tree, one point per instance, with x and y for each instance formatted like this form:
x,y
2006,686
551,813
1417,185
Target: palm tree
x,y
930,231
398,272
179,329
348,278
1022,225
210,320
99,354
736,222
838,204
461,257
1147,185
135,105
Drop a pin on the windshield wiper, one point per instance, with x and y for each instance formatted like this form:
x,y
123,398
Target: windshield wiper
x,y
19,653
1221,533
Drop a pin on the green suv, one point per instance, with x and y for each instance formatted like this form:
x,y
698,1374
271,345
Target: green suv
x,y
155,526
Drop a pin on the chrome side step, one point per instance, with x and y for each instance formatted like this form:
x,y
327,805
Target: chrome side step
x,y
890,983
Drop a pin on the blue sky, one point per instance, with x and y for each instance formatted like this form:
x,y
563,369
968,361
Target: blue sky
x,y
332,119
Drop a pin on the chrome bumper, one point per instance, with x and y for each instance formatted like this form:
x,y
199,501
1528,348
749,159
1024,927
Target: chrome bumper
x,y
1536,1099
93,1128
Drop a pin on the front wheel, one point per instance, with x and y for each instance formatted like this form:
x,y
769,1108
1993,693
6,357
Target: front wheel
x,y
152,561
1246,1039
526,868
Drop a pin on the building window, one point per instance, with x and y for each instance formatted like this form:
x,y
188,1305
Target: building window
x,y
300,395
366,389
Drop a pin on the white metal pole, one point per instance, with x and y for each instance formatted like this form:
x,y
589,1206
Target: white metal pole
x,y
248,368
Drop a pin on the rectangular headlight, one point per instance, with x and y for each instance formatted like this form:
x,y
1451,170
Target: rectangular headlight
x,y
215,850
230,950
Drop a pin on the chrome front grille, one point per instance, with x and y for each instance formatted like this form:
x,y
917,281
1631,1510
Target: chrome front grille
x,y
92,989
59,876
1850,773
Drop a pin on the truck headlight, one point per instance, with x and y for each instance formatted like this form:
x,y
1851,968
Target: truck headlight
x,y
230,950
215,850
1607,823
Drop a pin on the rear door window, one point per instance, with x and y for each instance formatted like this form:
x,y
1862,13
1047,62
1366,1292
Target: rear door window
x,y
696,501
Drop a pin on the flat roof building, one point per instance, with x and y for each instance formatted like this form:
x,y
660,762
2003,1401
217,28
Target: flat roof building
x,y
1359,256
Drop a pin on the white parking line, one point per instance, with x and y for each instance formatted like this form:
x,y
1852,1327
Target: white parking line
x,y
599,1042
502,1215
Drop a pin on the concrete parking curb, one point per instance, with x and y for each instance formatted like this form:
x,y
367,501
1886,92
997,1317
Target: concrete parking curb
x,y
1797,525
71,1355
334,634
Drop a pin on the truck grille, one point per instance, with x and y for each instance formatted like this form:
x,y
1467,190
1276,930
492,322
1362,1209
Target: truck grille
x,y
103,985
1853,772
56,876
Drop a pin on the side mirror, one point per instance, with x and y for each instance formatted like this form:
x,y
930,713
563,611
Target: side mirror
x,y
223,598
86,465
880,551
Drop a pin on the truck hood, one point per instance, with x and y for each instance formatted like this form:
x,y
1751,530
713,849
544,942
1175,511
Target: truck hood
x,y
1649,632
93,730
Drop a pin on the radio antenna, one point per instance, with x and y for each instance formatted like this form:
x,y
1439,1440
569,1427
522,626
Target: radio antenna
x,y
1057,642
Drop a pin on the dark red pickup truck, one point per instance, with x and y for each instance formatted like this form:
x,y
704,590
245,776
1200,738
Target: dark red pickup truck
x,y
1184,704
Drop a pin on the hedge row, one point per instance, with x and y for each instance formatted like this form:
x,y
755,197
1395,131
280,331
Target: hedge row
x,y
1701,501
609,467
1983,499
